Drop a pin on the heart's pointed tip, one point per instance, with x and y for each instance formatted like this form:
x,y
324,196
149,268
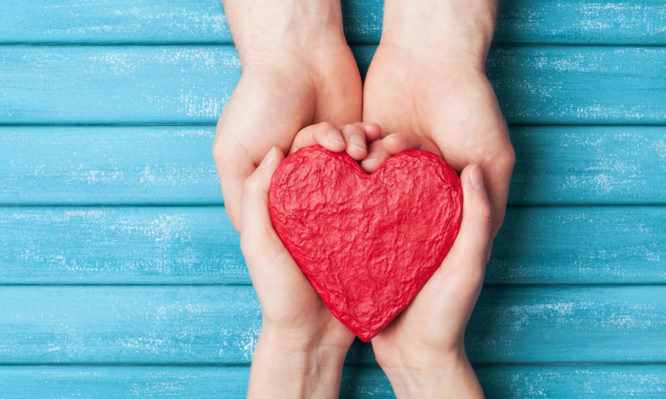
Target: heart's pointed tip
x,y
366,337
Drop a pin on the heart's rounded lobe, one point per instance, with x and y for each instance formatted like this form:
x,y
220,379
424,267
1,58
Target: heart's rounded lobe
x,y
366,242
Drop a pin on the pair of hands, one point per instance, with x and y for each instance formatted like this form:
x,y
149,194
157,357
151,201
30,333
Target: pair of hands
x,y
427,77
422,350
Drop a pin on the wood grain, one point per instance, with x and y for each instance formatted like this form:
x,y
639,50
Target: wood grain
x,y
138,300
173,165
198,245
220,324
520,382
190,84
202,21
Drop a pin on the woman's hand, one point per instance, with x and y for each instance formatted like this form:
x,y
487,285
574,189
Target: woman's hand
x,y
422,351
302,346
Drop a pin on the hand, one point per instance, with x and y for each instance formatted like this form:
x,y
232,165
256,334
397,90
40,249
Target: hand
x,y
297,70
422,351
302,346
427,77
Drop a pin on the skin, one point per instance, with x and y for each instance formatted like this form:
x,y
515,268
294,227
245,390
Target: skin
x,y
297,70
427,77
302,346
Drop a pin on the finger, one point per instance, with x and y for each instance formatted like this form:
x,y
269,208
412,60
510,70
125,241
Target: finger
x,y
256,226
497,172
355,138
324,134
372,131
401,141
377,154
464,266
395,143
268,261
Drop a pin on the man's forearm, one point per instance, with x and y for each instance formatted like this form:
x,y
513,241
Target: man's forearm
x,y
262,25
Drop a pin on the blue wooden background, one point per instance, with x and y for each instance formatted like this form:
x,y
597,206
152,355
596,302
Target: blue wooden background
x,y
121,276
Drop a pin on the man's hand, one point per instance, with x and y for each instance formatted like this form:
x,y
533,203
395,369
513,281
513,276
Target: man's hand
x,y
297,70
428,77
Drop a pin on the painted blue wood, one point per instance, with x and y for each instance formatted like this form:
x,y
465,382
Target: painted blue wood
x,y
202,21
219,325
501,382
108,165
190,84
198,245
173,165
591,165
526,319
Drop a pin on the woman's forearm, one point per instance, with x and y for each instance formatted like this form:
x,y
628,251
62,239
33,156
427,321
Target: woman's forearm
x,y
281,370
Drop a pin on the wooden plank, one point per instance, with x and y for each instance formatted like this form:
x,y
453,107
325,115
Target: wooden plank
x,y
190,84
589,165
119,245
219,325
198,21
173,165
198,245
108,165
520,382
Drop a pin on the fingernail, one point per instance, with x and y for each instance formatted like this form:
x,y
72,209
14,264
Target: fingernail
x,y
367,162
476,177
268,158
336,137
357,143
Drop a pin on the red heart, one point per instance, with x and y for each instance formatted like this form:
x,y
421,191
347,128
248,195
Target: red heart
x,y
366,242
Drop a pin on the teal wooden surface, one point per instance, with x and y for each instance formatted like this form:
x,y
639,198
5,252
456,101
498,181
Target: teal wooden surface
x,y
190,84
202,21
141,289
500,382
173,165
197,245
220,324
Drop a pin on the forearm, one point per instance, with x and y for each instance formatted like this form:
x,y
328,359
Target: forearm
x,y
457,28
281,372
259,26
453,378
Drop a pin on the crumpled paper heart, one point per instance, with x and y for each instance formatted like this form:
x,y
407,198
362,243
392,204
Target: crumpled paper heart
x,y
366,242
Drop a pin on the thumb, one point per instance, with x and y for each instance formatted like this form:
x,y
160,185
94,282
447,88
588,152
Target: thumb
x,y
465,264
256,224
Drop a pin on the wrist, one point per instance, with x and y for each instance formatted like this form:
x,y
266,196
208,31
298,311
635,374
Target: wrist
x,y
283,27
444,375
449,31
287,367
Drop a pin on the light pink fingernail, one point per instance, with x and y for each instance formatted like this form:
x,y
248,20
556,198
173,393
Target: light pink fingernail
x,y
268,158
476,177
336,137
